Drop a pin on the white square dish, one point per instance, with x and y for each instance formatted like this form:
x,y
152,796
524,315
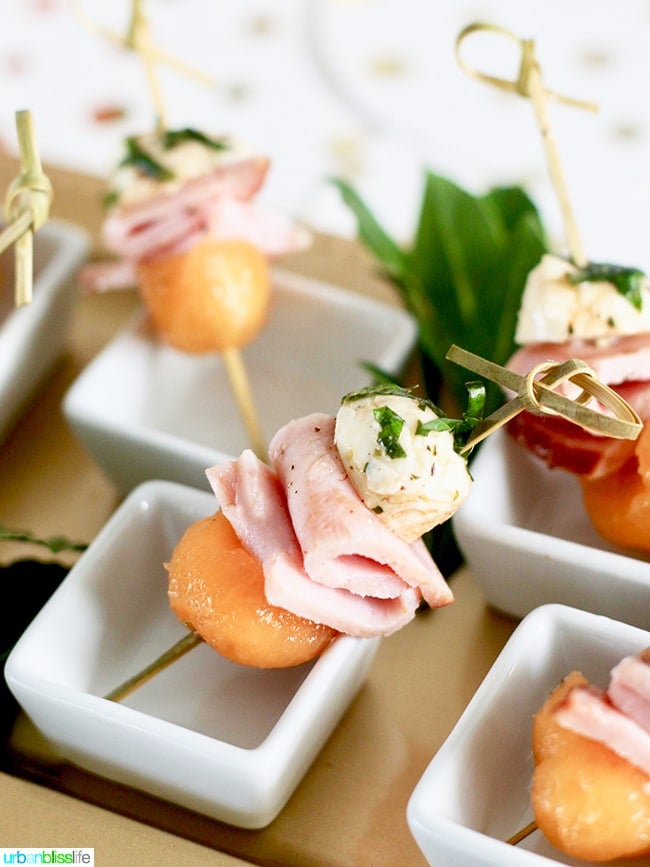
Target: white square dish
x,y
475,793
221,739
33,337
526,537
144,410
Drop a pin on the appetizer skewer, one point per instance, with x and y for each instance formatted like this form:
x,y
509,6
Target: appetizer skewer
x,y
183,220
591,784
331,531
600,313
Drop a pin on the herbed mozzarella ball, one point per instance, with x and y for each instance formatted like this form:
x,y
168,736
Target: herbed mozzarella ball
x,y
164,161
555,309
411,478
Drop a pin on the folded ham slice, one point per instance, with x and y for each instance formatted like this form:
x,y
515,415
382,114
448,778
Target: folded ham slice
x,y
629,689
344,544
217,205
624,359
252,499
587,712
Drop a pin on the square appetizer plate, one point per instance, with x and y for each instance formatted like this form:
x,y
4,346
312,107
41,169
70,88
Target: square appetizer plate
x,y
33,337
475,793
525,534
224,740
144,410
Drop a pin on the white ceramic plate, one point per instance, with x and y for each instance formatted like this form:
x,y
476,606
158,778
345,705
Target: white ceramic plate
x,y
225,740
33,337
475,793
528,541
146,411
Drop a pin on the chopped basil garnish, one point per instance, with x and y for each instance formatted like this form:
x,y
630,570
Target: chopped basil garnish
x,y
111,199
388,388
628,281
137,157
461,428
391,423
390,427
173,137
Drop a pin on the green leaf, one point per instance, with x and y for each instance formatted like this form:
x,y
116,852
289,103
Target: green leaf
x,y
371,233
56,544
138,157
463,275
628,281
390,427
173,137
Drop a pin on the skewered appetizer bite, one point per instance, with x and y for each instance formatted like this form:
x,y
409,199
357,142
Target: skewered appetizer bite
x,y
183,219
591,784
312,545
601,314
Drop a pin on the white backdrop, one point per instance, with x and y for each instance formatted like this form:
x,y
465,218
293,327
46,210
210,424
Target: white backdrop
x,y
366,89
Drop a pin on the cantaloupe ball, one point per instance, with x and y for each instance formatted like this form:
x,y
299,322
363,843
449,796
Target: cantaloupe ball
x,y
619,504
587,800
217,589
212,297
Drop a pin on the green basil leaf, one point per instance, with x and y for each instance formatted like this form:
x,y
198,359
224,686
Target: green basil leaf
x,y
463,276
390,427
628,281
173,137
138,157
371,233
55,544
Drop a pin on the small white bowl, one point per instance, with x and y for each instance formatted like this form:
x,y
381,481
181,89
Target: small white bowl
x,y
475,793
33,337
221,739
144,410
528,540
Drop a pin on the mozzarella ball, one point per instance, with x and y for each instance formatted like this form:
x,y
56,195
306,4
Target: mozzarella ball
x,y
412,480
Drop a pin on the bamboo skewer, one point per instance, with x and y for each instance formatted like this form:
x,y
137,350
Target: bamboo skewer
x,y
138,39
537,395
529,84
522,833
184,645
26,208
239,382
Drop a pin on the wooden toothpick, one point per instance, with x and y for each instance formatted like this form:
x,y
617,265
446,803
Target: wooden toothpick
x,y
26,208
529,84
240,386
183,646
138,39
522,833
535,393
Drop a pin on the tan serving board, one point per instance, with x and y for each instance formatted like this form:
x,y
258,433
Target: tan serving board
x,y
350,808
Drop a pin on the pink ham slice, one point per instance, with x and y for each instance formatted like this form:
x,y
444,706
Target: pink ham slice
x,y
217,205
625,359
252,499
625,366
344,544
629,689
587,712
163,222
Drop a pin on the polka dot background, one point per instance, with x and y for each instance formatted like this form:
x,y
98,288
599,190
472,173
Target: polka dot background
x,y
369,90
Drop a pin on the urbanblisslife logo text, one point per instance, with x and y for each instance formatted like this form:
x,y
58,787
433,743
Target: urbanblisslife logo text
x,y
46,855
